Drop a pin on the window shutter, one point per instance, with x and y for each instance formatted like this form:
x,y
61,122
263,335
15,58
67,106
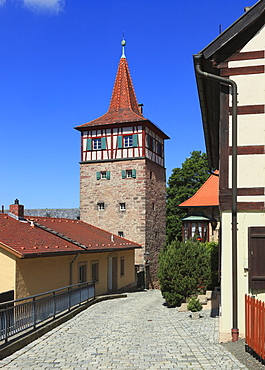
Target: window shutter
x,y
88,144
98,175
108,175
119,142
103,143
135,140
123,174
134,173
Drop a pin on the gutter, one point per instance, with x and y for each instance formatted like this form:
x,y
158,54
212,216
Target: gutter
x,y
226,81
71,268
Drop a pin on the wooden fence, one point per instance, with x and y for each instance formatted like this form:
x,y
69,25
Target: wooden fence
x,y
255,325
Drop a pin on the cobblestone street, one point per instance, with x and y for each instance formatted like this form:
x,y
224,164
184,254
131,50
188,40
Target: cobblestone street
x,y
137,332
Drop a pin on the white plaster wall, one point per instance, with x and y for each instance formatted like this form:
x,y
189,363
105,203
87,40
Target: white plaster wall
x,y
251,170
251,88
246,63
256,198
257,43
245,220
251,129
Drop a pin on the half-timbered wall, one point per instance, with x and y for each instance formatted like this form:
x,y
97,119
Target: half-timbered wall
x,y
122,143
247,69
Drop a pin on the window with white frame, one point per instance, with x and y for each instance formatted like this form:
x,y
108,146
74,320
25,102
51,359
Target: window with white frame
x,y
101,206
121,234
128,174
128,141
103,175
97,144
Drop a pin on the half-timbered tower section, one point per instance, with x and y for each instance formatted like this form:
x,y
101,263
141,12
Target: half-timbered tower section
x,y
122,179
238,54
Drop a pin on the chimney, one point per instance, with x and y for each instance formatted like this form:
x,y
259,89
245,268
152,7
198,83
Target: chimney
x,y
17,209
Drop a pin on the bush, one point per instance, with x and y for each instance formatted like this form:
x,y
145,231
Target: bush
x,y
184,269
194,305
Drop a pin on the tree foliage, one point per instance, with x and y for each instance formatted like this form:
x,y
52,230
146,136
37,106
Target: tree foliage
x,y
182,184
186,268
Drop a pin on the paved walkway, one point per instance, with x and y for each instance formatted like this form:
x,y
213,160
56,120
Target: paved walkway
x,y
137,332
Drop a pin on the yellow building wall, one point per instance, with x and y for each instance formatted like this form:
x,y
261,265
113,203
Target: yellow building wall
x,y
245,220
7,270
102,258
38,275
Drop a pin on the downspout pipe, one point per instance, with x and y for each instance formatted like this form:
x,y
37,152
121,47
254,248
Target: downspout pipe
x,y
197,59
71,268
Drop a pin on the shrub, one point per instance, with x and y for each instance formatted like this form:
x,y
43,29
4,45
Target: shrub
x,y
194,305
184,269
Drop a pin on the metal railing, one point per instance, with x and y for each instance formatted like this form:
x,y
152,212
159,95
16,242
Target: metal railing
x,y
255,325
26,313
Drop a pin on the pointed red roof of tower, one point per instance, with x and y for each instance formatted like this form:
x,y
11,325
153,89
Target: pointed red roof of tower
x,y
123,104
207,195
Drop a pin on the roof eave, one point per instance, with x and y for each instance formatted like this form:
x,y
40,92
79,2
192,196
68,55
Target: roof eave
x,y
143,121
227,43
210,109
237,35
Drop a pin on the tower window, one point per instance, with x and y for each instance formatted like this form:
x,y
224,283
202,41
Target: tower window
x,y
101,206
128,141
128,174
121,234
150,142
159,149
103,175
122,206
97,144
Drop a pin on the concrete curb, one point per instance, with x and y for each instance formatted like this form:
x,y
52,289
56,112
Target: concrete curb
x,y
18,343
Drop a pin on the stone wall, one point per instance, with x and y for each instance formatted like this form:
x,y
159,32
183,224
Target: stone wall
x,y
144,218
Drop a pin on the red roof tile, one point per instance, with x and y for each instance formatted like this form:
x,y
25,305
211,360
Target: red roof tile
x,y
48,236
207,195
123,105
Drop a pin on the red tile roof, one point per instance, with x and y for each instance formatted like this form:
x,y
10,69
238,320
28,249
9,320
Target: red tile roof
x,y
123,105
207,195
52,236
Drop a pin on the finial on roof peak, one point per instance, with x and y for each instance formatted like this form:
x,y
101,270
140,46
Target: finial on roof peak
x,y
123,43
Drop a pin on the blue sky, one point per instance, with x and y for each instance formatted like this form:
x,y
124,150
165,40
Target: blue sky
x,y
57,68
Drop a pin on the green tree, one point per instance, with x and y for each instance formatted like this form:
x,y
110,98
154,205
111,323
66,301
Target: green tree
x,y
182,184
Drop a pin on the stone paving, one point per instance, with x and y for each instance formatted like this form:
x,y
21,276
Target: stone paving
x,y
137,332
